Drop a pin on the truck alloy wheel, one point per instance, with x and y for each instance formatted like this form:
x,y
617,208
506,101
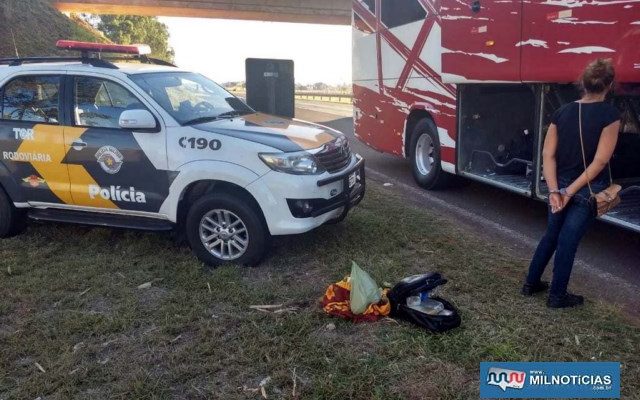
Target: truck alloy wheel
x,y
227,228
224,234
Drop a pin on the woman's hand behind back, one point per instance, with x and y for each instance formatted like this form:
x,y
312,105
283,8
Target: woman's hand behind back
x,y
556,201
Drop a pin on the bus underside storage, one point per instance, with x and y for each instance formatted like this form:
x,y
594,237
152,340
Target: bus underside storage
x,y
625,164
496,134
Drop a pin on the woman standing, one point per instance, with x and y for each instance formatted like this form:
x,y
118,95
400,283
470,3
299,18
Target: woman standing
x,y
569,212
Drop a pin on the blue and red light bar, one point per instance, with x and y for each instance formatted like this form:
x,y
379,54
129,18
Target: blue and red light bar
x,y
134,49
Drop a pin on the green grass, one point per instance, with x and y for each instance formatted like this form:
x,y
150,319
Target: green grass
x,y
36,26
180,339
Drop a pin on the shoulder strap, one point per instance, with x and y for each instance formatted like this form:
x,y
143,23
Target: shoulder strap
x,y
584,157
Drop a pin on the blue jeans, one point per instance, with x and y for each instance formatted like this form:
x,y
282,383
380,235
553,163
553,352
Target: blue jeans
x,y
565,229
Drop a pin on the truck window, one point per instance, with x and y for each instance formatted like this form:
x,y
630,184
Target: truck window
x,y
99,102
189,97
32,98
401,12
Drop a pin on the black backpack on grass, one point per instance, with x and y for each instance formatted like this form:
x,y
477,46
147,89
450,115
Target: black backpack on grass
x,y
413,286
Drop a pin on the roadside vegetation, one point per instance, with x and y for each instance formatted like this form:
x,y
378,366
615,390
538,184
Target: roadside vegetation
x,y
36,26
130,29
93,313
32,27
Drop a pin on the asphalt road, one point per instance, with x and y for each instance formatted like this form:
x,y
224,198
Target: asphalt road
x,y
607,253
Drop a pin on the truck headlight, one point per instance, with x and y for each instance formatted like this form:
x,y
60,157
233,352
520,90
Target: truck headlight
x,y
299,163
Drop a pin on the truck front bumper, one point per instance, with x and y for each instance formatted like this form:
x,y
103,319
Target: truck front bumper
x,y
296,204
353,184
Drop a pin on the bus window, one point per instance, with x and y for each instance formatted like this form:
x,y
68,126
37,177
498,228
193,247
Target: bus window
x,y
371,5
401,12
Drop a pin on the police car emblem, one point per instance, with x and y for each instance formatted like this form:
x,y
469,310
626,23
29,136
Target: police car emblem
x,y
110,159
34,181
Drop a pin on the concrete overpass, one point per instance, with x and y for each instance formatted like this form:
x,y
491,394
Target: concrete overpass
x,y
336,12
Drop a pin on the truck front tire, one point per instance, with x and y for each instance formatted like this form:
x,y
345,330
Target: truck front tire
x,y
225,228
426,161
12,220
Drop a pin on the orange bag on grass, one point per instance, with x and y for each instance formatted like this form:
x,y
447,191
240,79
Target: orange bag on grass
x,y
337,302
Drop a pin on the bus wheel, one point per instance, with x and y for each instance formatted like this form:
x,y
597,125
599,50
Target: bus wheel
x,y
425,156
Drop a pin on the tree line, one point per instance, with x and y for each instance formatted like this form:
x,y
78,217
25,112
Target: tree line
x,y
134,29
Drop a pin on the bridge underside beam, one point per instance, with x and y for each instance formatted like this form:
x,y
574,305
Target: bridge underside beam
x,y
335,12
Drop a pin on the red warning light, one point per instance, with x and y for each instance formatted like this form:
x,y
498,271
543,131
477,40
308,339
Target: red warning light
x,y
136,49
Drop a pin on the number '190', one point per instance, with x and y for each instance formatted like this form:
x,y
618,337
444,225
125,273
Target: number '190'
x,y
200,143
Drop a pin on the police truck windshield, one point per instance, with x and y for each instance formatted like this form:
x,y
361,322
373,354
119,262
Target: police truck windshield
x,y
190,98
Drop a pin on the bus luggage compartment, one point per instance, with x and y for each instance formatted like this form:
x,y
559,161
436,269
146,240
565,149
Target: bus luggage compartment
x,y
496,135
501,133
625,163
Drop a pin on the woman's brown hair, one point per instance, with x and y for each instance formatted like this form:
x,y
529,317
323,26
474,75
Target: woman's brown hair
x,y
598,76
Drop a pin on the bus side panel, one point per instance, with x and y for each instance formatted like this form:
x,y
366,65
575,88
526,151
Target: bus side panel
x,y
397,71
563,36
380,119
378,122
481,44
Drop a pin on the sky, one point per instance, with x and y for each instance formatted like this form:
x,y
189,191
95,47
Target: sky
x,y
218,48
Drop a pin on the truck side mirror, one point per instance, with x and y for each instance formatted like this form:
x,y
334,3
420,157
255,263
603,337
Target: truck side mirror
x,y
137,119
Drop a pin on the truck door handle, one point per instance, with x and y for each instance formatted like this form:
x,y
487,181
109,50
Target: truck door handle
x,y
476,6
78,145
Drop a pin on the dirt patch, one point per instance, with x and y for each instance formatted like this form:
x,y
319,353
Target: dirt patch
x,y
100,305
152,297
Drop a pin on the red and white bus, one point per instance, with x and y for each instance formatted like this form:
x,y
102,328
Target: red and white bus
x,y
467,87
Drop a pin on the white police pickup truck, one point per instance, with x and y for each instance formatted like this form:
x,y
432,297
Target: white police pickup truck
x,y
147,146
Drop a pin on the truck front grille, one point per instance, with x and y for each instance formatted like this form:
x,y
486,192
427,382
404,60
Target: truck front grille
x,y
335,156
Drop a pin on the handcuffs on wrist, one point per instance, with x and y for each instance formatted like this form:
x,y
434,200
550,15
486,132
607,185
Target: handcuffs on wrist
x,y
562,192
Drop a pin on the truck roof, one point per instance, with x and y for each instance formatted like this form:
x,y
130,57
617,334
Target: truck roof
x,y
127,68
127,59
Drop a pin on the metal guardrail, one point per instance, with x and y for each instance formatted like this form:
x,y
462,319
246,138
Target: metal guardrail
x,y
327,97
315,96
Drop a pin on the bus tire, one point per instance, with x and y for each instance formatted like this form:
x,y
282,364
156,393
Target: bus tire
x,y
425,156
12,220
224,228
